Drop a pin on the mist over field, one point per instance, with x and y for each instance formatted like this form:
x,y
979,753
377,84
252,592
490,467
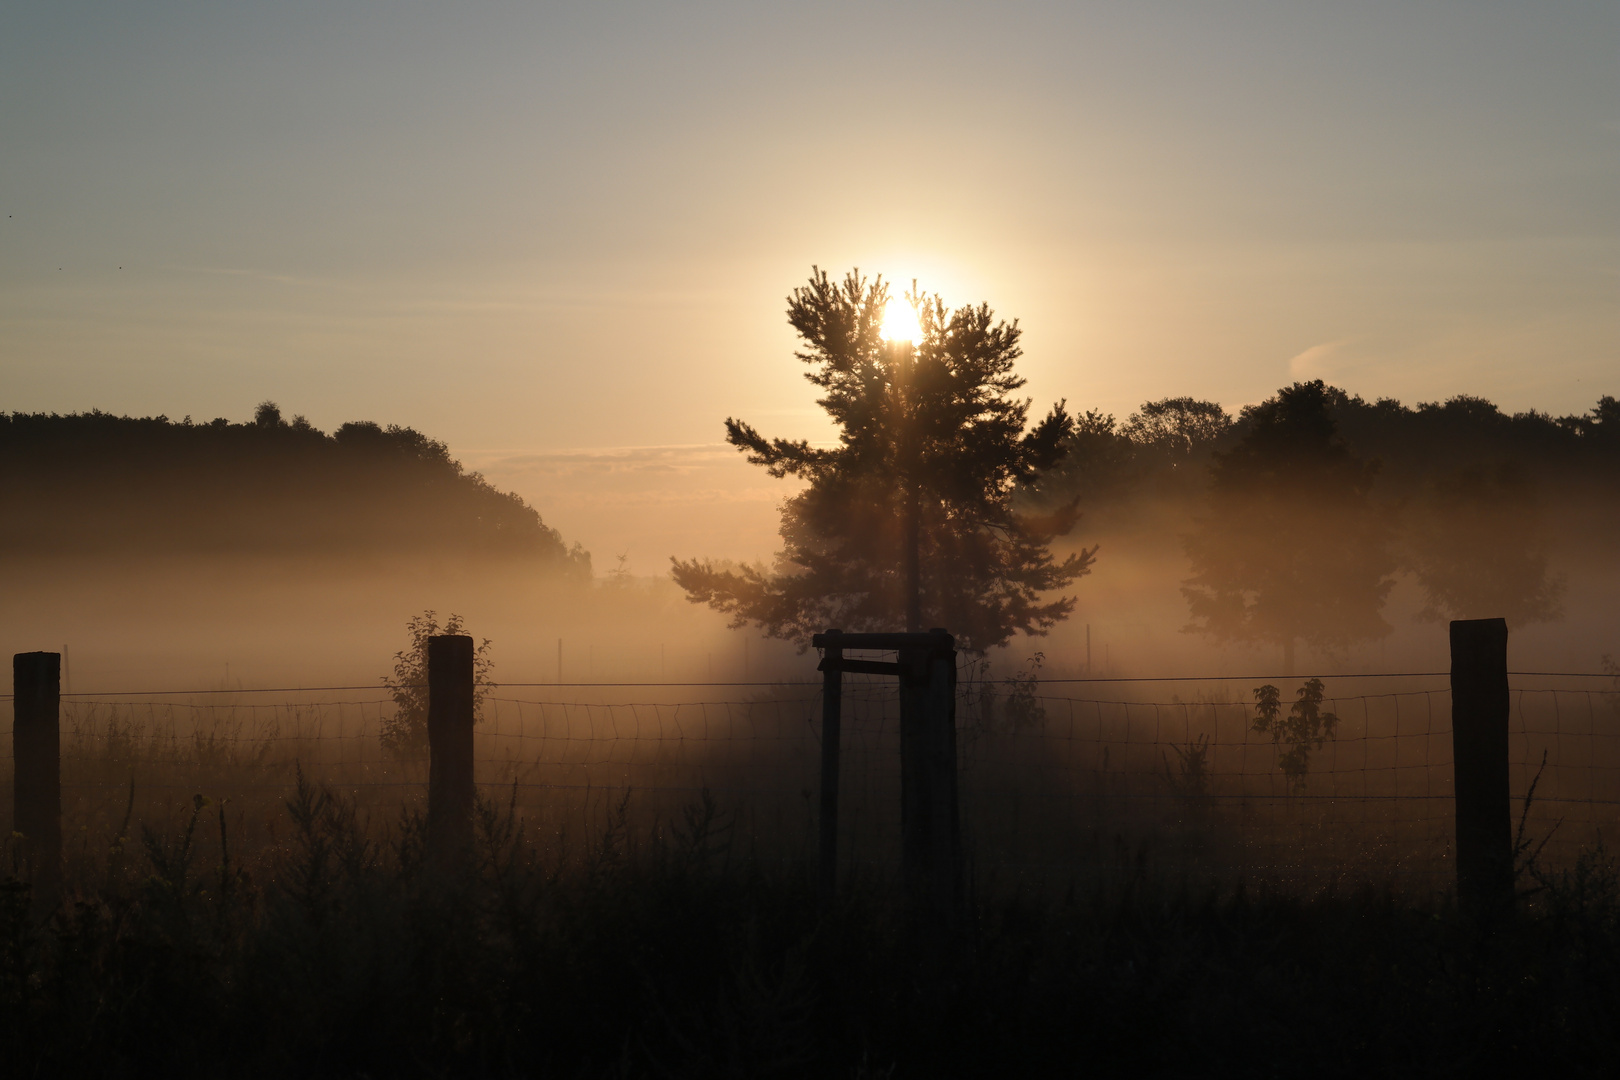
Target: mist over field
x,y
268,554
162,555
238,603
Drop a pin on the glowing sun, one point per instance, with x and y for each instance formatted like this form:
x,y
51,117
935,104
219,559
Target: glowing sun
x,y
900,323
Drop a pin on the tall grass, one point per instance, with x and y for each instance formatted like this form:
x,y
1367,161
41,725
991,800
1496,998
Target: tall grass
x,y
1051,787
676,948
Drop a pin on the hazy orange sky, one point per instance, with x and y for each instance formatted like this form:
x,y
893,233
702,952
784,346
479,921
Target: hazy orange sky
x,y
559,236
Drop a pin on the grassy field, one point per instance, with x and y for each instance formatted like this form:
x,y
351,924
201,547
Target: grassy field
x,y
678,950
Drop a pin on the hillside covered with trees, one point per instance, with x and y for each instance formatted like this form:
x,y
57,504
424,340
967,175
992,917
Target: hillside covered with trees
x,y
94,483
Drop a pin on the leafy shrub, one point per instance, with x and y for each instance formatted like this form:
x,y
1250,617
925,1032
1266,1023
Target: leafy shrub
x,y
1305,728
404,735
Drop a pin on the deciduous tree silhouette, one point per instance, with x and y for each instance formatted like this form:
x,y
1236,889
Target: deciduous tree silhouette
x,y
932,452
1291,547
1303,729
1177,427
1156,451
405,734
1479,551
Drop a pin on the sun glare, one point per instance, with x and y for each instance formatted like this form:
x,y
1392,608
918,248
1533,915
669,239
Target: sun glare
x,y
900,322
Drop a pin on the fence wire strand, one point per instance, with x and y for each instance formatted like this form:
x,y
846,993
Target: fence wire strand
x,y
1054,780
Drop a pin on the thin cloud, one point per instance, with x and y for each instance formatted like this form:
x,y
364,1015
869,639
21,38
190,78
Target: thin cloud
x,y
1313,362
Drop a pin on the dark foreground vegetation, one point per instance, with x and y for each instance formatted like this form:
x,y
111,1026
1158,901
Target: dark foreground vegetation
x,y
679,954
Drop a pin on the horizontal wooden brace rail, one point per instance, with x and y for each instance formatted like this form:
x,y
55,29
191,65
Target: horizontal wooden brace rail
x,y
932,640
860,667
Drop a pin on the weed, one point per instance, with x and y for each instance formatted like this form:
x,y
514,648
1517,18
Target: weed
x,y
1305,728
689,956
1190,780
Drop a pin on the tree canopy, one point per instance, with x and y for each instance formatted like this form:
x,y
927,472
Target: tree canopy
x,y
1417,447
93,482
1291,547
1479,550
404,735
933,453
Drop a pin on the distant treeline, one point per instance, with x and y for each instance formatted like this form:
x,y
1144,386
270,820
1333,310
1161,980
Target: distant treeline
x,y
1299,515
98,483
1167,446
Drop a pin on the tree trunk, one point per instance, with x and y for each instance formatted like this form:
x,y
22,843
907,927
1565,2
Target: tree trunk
x,y
902,358
913,565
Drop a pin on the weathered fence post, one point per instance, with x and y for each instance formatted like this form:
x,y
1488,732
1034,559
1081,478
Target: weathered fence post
x,y
36,740
832,691
914,801
945,832
930,838
1479,741
450,747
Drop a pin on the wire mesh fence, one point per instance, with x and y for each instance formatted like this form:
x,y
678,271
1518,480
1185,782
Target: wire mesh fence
x,y
1060,781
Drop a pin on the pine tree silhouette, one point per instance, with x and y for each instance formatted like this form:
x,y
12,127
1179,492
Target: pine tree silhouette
x,y
932,457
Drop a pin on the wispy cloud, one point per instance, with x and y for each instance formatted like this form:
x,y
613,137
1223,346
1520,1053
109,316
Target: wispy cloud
x,y
1313,363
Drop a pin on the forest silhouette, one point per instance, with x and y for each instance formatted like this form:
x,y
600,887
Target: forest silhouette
x,y
1298,514
94,483
1167,445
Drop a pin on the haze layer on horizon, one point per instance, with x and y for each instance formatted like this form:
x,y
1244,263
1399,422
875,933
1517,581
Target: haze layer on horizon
x,y
544,233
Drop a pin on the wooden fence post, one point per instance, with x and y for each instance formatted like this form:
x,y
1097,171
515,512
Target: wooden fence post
x,y
930,836
832,690
914,801
945,823
36,740
450,747
1479,741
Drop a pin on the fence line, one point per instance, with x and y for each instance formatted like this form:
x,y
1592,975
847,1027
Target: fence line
x,y
766,683
1051,782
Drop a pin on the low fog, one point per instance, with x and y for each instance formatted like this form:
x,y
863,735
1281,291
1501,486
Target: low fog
x,y
163,555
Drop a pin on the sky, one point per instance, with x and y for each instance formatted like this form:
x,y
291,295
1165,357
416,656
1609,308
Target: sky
x,y
560,237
